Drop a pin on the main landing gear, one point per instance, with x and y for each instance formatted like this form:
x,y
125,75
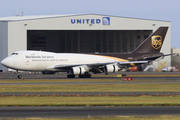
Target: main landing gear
x,y
80,76
70,76
20,76
85,76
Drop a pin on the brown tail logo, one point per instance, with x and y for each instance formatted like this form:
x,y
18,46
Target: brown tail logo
x,y
156,41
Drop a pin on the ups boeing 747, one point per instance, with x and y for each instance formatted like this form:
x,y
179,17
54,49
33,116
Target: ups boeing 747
x,y
82,64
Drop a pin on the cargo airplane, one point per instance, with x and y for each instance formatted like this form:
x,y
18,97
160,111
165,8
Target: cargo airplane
x,y
82,64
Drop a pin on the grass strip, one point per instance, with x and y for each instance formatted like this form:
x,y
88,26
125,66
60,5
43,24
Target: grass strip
x,y
148,87
91,101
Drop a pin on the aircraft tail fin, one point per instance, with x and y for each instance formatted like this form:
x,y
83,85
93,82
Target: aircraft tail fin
x,y
153,43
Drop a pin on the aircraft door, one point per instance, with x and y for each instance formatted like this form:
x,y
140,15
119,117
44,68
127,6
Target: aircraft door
x,y
27,62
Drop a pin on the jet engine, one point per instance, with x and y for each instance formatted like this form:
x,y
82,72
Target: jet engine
x,y
78,70
111,68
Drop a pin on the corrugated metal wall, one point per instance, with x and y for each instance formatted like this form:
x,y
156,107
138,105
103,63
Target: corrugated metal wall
x,y
85,41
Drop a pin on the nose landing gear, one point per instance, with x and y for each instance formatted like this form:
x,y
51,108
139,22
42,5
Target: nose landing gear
x,y
19,75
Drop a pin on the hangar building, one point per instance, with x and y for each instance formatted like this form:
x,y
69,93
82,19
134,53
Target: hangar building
x,y
84,33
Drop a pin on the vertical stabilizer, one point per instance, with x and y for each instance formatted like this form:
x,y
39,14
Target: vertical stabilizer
x,y
153,43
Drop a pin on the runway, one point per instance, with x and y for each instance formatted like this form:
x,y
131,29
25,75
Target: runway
x,y
55,112
134,75
75,83
71,82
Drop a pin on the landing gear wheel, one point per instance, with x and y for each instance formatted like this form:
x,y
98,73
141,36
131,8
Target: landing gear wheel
x,y
88,75
70,76
20,76
85,76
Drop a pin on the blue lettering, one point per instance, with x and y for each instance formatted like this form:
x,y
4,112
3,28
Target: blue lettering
x,y
92,21
73,21
87,20
78,20
98,21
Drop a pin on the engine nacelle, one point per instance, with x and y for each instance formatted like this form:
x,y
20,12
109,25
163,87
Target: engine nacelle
x,y
111,68
78,70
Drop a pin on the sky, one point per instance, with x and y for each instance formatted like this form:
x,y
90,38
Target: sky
x,y
166,10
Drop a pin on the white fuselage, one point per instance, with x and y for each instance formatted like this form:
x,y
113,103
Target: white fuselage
x,y
46,61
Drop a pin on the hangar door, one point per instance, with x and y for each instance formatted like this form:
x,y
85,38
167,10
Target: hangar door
x,y
85,41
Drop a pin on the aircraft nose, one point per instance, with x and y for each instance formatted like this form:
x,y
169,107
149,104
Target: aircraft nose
x,y
3,62
6,62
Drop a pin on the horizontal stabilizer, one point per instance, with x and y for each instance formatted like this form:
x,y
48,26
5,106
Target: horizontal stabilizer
x,y
156,57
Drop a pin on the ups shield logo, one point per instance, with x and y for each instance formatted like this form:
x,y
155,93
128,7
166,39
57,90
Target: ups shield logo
x,y
156,41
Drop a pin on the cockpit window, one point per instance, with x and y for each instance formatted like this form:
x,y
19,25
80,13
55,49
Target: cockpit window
x,y
14,54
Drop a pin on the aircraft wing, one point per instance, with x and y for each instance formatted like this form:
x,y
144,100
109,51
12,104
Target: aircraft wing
x,y
97,65
89,65
66,66
131,63
156,57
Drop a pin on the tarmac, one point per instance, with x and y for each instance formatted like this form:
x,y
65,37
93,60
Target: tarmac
x,y
54,112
